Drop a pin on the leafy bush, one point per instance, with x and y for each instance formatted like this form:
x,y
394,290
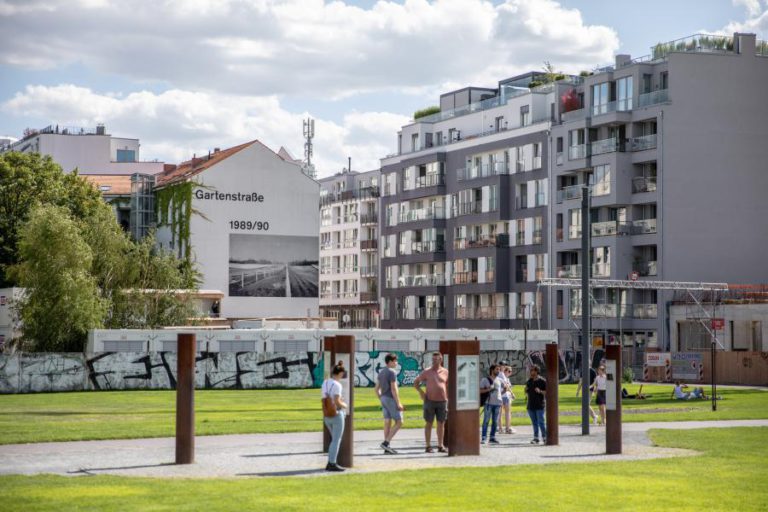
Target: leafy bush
x,y
426,112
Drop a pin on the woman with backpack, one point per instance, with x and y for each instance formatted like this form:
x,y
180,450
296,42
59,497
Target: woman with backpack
x,y
334,408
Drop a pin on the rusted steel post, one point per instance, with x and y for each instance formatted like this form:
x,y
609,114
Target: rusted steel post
x,y
553,408
613,403
185,398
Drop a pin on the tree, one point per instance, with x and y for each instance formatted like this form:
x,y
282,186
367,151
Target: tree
x,y
63,300
27,180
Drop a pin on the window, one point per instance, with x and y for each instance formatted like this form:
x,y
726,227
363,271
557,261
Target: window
x,y
646,83
126,155
525,115
664,80
600,98
624,93
415,142
600,180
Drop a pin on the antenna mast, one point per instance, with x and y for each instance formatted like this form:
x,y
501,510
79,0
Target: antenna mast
x,y
309,134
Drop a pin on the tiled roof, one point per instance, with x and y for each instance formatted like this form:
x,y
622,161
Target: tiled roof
x,y
186,170
110,184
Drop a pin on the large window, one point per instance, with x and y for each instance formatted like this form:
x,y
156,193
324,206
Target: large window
x,y
600,180
126,155
600,98
624,93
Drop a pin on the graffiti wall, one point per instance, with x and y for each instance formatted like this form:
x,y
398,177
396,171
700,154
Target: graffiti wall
x,y
31,373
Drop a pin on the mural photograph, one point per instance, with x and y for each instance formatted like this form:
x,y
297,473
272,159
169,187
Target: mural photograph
x,y
273,266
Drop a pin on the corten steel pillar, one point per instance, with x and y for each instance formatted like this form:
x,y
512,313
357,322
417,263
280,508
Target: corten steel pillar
x,y
344,350
553,380
185,398
586,307
328,363
613,403
462,433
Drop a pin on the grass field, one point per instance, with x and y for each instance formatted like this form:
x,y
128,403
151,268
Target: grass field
x,y
728,475
135,414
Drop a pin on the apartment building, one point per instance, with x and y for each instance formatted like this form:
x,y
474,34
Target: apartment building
x,y
349,263
672,147
89,150
465,211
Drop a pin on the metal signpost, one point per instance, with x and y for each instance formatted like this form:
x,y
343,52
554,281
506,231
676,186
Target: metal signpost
x,y
462,435
186,347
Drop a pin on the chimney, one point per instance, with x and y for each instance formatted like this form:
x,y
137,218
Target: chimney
x,y
100,129
622,60
216,150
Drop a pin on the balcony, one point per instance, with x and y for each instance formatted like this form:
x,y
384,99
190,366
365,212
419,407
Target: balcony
x,y
427,246
369,218
622,105
368,297
349,269
465,277
574,271
432,313
421,280
568,193
653,98
429,180
645,268
645,311
538,236
482,313
637,311
642,227
573,115
536,162
349,195
482,171
372,271
600,147
500,240
642,184
347,244
577,152
469,208
642,143
369,245
347,219
608,228
422,214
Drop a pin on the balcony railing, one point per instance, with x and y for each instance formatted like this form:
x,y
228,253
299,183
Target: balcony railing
x,y
433,313
422,214
371,271
573,115
469,208
603,146
653,98
621,105
601,269
570,271
570,192
499,240
349,269
482,313
482,171
427,246
577,152
349,195
645,268
645,311
429,180
347,244
639,311
421,280
643,227
369,218
538,236
642,143
367,245
465,277
642,184
559,158
536,162
607,228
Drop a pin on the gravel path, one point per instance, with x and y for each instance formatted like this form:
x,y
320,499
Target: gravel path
x,y
299,454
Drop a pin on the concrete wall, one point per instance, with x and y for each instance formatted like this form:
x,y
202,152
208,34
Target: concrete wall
x,y
44,372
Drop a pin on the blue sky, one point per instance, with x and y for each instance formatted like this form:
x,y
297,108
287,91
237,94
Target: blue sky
x,y
185,76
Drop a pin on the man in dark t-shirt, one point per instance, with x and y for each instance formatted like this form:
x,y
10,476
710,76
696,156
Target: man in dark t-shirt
x,y
535,390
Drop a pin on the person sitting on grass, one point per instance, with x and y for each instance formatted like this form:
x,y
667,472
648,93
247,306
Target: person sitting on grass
x,y
638,396
696,394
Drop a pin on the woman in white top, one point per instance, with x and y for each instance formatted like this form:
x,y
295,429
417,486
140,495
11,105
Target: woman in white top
x,y
601,383
335,424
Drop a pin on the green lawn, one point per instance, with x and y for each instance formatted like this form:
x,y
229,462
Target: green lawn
x,y
133,414
728,475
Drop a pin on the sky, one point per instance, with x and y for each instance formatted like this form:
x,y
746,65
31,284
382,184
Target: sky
x,y
185,76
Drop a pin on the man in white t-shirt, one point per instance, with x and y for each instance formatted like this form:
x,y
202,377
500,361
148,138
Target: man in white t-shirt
x,y
493,385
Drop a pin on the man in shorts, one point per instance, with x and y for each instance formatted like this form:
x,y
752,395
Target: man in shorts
x,y
435,400
389,396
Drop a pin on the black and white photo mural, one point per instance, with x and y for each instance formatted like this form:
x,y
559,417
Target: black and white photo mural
x,y
273,266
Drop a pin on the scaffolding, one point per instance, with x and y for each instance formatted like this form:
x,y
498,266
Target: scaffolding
x,y
142,218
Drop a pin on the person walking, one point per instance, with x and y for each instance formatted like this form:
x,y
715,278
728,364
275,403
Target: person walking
x,y
493,385
332,390
601,384
535,389
389,396
435,400
507,398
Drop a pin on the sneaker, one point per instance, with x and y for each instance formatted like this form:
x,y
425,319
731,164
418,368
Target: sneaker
x,y
535,440
494,441
442,449
384,446
334,468
483,441
391,451
511,431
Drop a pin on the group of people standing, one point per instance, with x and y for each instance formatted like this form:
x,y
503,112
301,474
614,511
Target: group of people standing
x,y
432,385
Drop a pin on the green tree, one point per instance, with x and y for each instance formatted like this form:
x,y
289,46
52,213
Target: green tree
x,y
62,299
27,180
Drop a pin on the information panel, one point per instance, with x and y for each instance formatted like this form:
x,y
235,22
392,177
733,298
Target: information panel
x,y
467,382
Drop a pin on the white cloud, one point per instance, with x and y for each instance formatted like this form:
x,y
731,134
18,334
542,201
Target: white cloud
x,y
176,124
303,47
752,6
756,22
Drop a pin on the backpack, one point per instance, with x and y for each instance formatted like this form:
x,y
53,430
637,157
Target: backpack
x,y
329,407
485,396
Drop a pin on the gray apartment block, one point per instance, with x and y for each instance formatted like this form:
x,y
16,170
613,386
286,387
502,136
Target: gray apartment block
x,y
465,212
349,263
674,149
